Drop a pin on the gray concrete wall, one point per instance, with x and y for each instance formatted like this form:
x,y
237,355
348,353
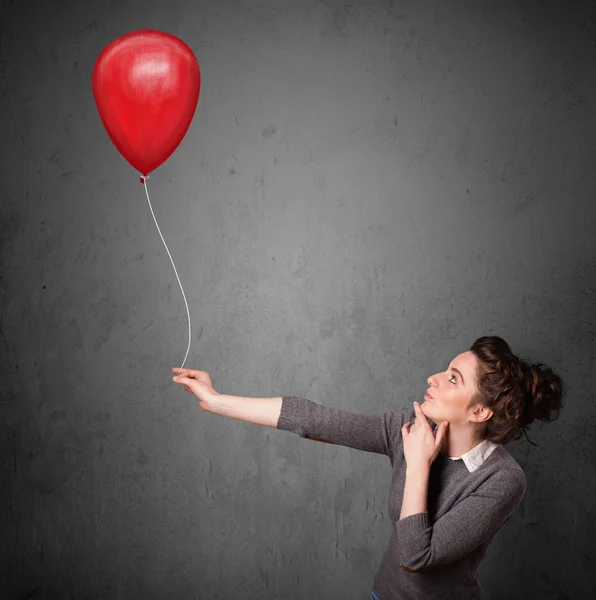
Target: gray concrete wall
x,y
364,190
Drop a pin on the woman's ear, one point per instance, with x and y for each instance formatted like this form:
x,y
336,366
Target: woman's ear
x,y
481,414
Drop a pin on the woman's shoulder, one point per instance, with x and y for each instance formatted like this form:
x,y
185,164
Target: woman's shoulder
x,y
502,464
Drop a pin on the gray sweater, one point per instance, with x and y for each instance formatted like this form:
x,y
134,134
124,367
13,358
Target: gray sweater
x,y
434,554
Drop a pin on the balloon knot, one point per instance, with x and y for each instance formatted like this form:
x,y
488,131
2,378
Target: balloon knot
x,y
143,177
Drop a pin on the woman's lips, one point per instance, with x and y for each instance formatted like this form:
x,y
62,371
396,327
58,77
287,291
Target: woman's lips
x,y
427,397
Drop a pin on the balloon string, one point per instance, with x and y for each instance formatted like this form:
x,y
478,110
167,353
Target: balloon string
x,y
143,181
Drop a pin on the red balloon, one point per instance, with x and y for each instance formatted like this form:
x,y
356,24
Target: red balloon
x,y
146,86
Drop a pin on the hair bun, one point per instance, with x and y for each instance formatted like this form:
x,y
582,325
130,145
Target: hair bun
x,y
545,391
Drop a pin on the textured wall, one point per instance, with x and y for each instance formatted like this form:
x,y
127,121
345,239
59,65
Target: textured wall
x,y
365,189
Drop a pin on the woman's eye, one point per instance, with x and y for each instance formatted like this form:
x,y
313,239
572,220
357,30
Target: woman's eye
x,y
453,377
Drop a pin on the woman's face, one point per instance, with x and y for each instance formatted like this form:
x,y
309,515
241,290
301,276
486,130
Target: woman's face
x,y
452,391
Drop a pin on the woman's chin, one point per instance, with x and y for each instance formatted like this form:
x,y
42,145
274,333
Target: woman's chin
x,y
426,409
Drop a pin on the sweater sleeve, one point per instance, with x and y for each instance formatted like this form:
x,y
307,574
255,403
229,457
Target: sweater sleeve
x,y
472,521
379,433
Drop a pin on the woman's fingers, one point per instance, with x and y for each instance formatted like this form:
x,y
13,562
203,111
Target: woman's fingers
x,y
185,372
185,381
440,433
420,417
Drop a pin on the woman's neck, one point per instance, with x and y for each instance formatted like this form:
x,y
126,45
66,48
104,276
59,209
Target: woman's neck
x,y
459,441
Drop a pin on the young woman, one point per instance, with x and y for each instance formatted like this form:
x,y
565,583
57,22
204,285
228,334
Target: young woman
x,y
453,483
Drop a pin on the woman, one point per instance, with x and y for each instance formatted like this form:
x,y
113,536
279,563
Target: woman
x,y
453,483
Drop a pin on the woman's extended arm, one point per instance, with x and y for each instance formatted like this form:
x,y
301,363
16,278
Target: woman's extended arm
x,y
380,433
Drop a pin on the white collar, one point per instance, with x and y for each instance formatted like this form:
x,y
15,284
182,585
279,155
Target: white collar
x,y
477,455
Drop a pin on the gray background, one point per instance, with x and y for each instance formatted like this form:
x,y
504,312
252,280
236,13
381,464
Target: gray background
x,y
364,190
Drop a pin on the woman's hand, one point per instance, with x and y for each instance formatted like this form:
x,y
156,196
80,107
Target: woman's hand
x,y
421,447
198,383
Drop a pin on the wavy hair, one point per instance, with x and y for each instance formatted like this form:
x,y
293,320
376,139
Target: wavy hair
x,y
516,391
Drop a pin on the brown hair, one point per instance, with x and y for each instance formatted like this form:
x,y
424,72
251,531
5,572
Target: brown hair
x,y
516,392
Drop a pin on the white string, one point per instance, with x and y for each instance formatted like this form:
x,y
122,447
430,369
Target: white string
x,y
143,180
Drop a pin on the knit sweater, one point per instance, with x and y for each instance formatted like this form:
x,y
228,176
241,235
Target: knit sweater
x,y
434,554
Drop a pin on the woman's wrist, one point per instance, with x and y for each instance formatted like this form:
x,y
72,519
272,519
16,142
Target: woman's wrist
x,y
418,469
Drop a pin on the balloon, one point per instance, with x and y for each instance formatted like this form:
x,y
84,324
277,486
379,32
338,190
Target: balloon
x,y
146,87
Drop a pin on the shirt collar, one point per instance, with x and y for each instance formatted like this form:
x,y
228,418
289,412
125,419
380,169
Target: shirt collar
x,y
477,455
